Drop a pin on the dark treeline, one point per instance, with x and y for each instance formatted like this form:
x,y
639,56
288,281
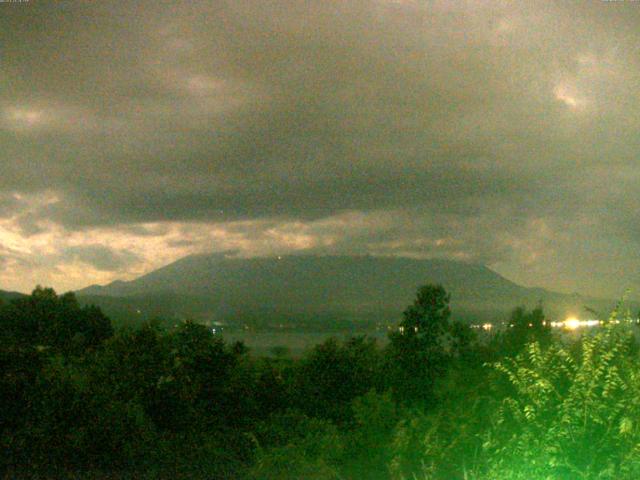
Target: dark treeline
x,y
80,400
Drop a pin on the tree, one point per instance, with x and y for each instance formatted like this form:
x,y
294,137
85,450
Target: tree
x,y
524,327
417,349
333,374
428,317
47,320
202,384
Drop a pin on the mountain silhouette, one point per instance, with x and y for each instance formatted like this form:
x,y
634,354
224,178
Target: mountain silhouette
x,y
360,288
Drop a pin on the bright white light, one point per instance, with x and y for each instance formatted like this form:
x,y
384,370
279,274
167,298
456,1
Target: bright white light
x,y
572,323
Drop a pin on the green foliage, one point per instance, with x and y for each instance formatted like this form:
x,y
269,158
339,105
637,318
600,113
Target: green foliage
x,y
333,374
417,351
199,370
523,328
375,416
443,442
427,318
47,320
302,448
149,402
131,365
566,417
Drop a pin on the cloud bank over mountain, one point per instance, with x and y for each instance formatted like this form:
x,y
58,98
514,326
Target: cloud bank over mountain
x,y
134,133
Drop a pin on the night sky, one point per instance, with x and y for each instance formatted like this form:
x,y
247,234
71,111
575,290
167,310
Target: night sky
x,y
503,133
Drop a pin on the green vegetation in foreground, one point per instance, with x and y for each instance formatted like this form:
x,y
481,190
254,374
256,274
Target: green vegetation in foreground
x,y
80,400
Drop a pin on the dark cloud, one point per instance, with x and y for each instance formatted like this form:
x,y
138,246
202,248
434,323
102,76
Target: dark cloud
x,y
493,131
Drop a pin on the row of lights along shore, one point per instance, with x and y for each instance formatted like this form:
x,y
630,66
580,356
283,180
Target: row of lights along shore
x,y
571,323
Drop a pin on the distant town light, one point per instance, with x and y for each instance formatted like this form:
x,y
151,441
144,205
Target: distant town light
x,y
572,323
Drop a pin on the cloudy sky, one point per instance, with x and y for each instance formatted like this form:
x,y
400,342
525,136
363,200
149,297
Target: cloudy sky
x,y
133,133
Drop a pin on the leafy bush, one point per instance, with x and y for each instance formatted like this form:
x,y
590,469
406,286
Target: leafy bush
x,y
301,448
569,416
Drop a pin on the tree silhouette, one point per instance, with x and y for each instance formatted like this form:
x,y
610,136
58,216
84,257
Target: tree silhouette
x,y
524,327
417,349
47,320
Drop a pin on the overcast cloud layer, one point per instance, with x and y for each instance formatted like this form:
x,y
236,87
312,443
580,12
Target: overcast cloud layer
x,y
134,133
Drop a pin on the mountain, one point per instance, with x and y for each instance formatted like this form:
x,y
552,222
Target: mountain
x,y
6,296
360,288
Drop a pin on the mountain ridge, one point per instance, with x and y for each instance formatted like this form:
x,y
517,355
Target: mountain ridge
x,y
8,295
216,286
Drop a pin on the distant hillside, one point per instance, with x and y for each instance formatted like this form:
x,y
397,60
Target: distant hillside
x,y
214,287
8,296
